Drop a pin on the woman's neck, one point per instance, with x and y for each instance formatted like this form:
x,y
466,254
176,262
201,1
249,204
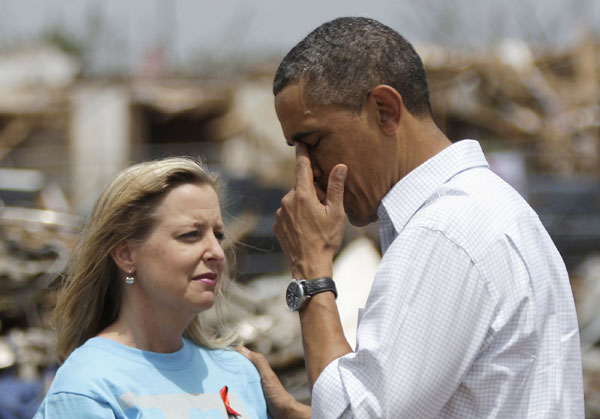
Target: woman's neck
x,y
149,330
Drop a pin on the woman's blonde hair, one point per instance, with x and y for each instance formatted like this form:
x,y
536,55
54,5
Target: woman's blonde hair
x,y
89,299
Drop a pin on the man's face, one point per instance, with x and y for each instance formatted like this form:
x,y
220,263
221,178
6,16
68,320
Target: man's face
x,y
333,135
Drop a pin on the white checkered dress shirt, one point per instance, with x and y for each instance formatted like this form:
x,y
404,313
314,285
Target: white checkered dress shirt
x,y
471,313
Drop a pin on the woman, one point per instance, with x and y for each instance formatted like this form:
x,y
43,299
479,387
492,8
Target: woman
x,y
127,319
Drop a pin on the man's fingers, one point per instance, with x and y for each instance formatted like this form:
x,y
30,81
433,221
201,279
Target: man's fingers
x,y
321,194
304,174
260,362
335,186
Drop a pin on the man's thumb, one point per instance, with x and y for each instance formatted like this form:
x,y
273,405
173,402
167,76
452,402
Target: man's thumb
x,y
335,186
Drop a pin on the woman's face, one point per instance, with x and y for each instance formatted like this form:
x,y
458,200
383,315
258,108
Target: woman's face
x,y
179,265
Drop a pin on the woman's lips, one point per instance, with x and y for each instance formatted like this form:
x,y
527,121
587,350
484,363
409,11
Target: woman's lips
x,y
207,278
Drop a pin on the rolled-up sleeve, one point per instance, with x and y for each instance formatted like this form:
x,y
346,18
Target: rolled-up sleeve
x,y
427,315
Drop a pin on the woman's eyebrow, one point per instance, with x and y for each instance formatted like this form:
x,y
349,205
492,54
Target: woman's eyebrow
x,y
202,225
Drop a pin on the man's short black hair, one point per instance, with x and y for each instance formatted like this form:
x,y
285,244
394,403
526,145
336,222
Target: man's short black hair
x,y
342,60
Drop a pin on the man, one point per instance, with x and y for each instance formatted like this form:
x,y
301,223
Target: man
x,y
470,314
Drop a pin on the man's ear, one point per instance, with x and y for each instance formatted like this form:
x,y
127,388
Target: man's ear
x,y
389,105
122,256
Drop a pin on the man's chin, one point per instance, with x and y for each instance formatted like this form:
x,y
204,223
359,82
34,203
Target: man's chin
x,y
359,220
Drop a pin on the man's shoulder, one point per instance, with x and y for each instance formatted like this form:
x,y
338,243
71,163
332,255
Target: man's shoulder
x,y
474,209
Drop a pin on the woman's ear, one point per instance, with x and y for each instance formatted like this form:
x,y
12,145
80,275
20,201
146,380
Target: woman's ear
x,y
122,256
388,103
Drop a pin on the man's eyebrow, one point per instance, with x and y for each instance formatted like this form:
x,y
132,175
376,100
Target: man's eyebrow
x,y
300,136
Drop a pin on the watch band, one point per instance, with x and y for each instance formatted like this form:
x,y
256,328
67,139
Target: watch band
x,y
317,285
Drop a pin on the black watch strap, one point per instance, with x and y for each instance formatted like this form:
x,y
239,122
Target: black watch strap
x,y
317,285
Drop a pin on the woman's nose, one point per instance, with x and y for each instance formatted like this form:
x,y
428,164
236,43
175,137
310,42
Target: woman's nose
x,y
215,251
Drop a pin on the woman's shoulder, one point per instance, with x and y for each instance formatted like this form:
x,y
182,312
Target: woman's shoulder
x,y
227,355
230,360
86,365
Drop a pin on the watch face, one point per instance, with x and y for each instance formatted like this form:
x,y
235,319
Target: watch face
x,y
293,295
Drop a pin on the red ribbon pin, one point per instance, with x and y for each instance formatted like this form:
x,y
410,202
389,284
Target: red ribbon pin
x,y
225,397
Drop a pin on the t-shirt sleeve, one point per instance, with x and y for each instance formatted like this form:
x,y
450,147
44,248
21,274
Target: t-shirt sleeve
x,y
69,405
248,383
255,393
427,314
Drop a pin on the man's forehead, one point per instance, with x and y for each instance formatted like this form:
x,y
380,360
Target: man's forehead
x,y
292,96
293,112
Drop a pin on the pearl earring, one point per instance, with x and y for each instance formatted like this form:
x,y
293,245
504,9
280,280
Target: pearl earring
x,y
130,279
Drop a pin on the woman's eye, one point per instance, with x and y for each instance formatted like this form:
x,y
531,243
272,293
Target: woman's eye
x,y
190,235
195,235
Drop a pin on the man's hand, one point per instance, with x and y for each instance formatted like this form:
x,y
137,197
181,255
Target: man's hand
x,y
310,230
310,227
280,403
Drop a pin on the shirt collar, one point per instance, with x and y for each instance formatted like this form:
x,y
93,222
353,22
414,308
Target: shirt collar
x,y
413,190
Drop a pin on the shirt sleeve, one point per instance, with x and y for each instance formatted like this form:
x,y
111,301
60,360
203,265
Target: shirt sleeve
x,y
427,315
70,405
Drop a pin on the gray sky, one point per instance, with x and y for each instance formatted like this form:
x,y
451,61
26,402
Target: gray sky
x,y
117,33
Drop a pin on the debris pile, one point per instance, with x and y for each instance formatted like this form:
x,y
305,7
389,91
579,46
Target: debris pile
x,y
34,247
546,101
545,104
586,289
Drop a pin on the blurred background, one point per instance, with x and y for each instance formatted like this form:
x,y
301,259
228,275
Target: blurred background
x,y
89,87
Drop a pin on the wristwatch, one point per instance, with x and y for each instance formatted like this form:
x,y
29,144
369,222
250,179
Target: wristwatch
x,y
300,290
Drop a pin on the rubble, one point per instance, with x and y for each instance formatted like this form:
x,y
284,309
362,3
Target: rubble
x,y
543,100
586,290
544,104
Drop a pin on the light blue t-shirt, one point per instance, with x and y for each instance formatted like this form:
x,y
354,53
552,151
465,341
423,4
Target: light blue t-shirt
x,y
104,379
